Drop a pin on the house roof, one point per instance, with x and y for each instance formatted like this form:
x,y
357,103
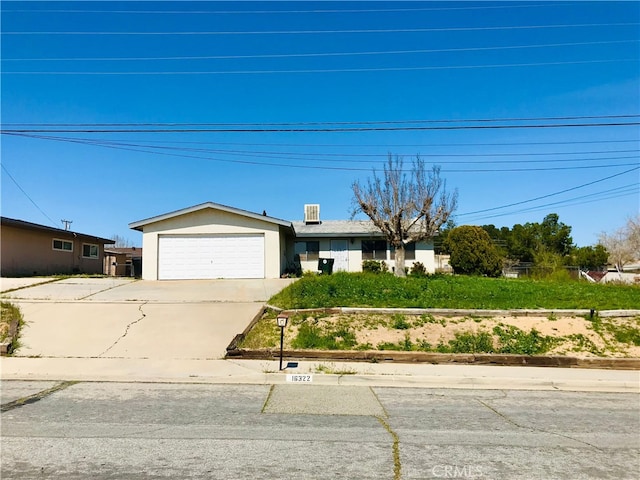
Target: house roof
x,y
333,228
131,252
12,222
203,206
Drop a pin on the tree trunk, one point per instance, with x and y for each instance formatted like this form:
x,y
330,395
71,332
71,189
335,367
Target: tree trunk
x,y
400,271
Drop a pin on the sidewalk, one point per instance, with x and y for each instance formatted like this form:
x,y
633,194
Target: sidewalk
x,y
324,373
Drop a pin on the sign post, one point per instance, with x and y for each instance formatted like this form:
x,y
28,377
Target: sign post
x,y
281,320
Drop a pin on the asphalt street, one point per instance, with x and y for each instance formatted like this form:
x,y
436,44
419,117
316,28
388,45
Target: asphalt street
x,y
297,431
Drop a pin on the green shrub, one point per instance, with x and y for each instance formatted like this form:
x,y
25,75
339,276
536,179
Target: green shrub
x,y
374,266
313,336
473,252
583,343
418,270
468,342
309,336
514,340
627,334
399,322
403,345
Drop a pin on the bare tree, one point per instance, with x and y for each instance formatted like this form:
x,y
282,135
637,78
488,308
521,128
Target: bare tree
x,y
406,208
623,245
121,242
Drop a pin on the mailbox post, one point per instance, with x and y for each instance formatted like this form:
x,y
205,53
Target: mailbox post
x,y
282,320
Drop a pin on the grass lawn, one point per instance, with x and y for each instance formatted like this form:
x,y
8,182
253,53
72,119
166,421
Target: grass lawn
x,y
452,291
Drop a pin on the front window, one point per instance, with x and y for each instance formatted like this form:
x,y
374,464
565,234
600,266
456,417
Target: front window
x,y
89,251
409,252
63,245
374,249
308,250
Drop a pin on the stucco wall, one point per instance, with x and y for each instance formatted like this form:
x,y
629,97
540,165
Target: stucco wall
x,y
211,222
424,254
25,252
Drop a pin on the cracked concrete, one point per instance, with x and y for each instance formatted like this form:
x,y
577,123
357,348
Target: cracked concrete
x,y
533,429
126,331
103,317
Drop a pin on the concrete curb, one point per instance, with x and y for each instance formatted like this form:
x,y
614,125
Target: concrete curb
x,y
376,356
248,372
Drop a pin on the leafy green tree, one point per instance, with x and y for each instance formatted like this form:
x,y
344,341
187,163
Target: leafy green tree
x,y
498,237
590,258
522,242
473,252
549,264
554,235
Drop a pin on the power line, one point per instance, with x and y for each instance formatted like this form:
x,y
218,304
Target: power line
x,y
351,122
359,145
333,129
320,54
551,194
618,192
331,70
321,32
27,195
341,156
141,149
240,12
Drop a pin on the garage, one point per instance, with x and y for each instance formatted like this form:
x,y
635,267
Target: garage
x,y
211,241
184,257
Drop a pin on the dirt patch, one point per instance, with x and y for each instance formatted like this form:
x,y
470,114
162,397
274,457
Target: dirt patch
x,y
564,334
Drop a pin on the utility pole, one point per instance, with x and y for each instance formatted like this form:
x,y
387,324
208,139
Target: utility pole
x,y
67,223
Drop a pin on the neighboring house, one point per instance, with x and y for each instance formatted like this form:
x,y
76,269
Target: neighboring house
x,y
216,241
123,262
31,249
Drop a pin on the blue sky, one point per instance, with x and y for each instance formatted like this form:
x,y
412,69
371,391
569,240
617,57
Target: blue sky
x,y
288,66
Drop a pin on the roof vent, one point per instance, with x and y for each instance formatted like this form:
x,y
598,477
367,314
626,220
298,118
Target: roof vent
x,y
312,213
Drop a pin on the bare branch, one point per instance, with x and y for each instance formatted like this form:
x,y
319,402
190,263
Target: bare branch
x,y
405,208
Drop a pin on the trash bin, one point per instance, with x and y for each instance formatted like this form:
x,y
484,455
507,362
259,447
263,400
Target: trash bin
x,y
325,266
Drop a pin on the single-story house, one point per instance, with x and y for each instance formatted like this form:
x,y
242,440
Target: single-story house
x,y
31,249
123,261
216,241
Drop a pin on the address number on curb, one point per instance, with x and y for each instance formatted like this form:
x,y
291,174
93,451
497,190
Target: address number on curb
x,y
299,378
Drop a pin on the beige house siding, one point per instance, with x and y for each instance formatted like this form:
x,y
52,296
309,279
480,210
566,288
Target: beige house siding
x,y
424,254
210,222
25,252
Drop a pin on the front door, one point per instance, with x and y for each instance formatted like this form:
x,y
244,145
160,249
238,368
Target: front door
x,y
340,255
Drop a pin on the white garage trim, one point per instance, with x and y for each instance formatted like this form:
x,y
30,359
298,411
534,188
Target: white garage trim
x,y
187,257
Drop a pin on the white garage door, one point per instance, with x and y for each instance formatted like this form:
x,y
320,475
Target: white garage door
x,y
184,257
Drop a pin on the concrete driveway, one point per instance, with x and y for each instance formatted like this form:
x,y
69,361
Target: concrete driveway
x,y
123,318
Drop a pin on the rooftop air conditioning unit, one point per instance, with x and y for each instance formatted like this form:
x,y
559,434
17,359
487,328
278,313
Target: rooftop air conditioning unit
x,y
312,213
